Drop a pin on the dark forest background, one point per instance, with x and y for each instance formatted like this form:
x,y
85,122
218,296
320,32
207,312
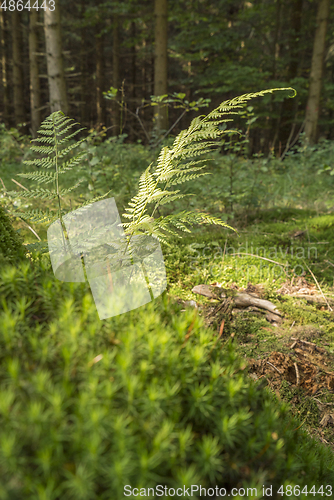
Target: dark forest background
x,y
66,58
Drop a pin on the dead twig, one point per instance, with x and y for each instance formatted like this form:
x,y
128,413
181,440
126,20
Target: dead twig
x,y
273,366
265,258
320,349
19,184
3,184
31,229
297,373
220,334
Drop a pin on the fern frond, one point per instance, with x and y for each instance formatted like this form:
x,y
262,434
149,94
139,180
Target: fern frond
x,y
48,132
40,162
70,148
39,193
69,190
45,150
198,140
69,137
37,215
73,162
184,178
85,205
47,140
56,132
40,177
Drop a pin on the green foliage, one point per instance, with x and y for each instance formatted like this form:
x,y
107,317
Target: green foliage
x,y
11,144
11,248
177,165
176,100
142,399
115,165
57,146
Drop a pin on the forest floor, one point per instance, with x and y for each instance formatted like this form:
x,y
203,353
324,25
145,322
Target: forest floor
x,y
294,359
279,253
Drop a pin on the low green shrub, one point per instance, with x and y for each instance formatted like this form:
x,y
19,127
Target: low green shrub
x,y
11,245
142,399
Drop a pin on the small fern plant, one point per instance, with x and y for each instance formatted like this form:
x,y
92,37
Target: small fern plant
x,y
56,144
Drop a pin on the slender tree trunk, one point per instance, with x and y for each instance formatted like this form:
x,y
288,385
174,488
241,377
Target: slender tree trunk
x,y
116,77
35,91
83,70
133,120
54,59
4,67
290,106
100,71
317,68
276,47
144,71
160,61
19,111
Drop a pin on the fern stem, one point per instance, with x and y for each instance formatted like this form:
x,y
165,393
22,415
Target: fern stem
x,y
57,183
146,279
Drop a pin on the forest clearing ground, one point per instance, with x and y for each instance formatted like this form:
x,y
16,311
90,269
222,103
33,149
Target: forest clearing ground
x,y
294,360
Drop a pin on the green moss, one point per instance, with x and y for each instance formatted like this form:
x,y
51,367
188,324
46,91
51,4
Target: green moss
x,y
11,247
144,398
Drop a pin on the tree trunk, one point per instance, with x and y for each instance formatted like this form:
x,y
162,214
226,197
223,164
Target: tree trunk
x,y
4,68
17,68
84,115
115,70
100,81
54,59
289,109
133,120
160,61
35,91
317,67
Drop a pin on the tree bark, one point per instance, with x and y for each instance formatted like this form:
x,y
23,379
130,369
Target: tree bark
x,y
4,68
116,78
54,59
290,106
317,67
18,87
133,121
160,61
35,91
100,80
84,115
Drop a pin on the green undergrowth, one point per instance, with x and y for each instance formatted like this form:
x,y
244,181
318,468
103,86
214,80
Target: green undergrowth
x,y
275,246
140,399
11,245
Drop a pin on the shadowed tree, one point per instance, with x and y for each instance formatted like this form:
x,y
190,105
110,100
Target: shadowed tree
x,y
35,90
54,59
160,61
19,111
4,67
317,68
